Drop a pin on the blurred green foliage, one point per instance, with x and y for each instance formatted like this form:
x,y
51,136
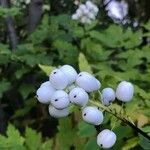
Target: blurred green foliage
x,y
111,52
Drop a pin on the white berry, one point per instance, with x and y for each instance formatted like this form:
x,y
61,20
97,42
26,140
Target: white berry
x,y
84,19
75,17
124,91
58,113
44,94
92,115
88,82
106,138
70,73
58,79
95,10
79,13
92,7
82,7
108,95
78,96
47,83
91,15
89,5
60,99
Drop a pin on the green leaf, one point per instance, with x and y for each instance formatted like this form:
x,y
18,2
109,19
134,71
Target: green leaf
x,y
131,143
91,145
14,137
66,134
68,53
147,25
83,63
144,142
33,139
146,129
4,86
25,110
3,141
86,130
78,32
26,89
20,72
46,69
46,145
126,134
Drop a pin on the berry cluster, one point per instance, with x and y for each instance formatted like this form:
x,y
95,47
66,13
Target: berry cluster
x,y
66,87
86,12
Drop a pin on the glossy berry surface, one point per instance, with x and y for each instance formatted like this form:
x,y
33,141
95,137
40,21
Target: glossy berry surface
x,y
88,82
92,115
107,96
78,96
106,138
125,91
58,79
58,113
60,99
47,83
70,73
44,94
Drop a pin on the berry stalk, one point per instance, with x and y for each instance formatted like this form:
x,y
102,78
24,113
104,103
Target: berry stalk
x,y
120,117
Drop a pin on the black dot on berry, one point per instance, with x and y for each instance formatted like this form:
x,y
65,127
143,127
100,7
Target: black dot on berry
x,y
84,114
80,75
101,145
75,96
55,72
56,100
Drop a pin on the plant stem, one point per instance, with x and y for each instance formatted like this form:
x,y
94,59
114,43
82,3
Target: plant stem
x,y
13,39
120,117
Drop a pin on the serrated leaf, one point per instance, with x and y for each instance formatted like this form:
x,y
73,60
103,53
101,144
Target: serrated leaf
x,y
14,137
3,141
33,139
46,69
46,145
66,134
83,63
68,53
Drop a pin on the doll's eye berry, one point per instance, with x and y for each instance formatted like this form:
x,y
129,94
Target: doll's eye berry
x,y
67,88
106,138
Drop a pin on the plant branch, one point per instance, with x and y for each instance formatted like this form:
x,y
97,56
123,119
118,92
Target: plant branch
x,y
35,13
13,39
120,117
